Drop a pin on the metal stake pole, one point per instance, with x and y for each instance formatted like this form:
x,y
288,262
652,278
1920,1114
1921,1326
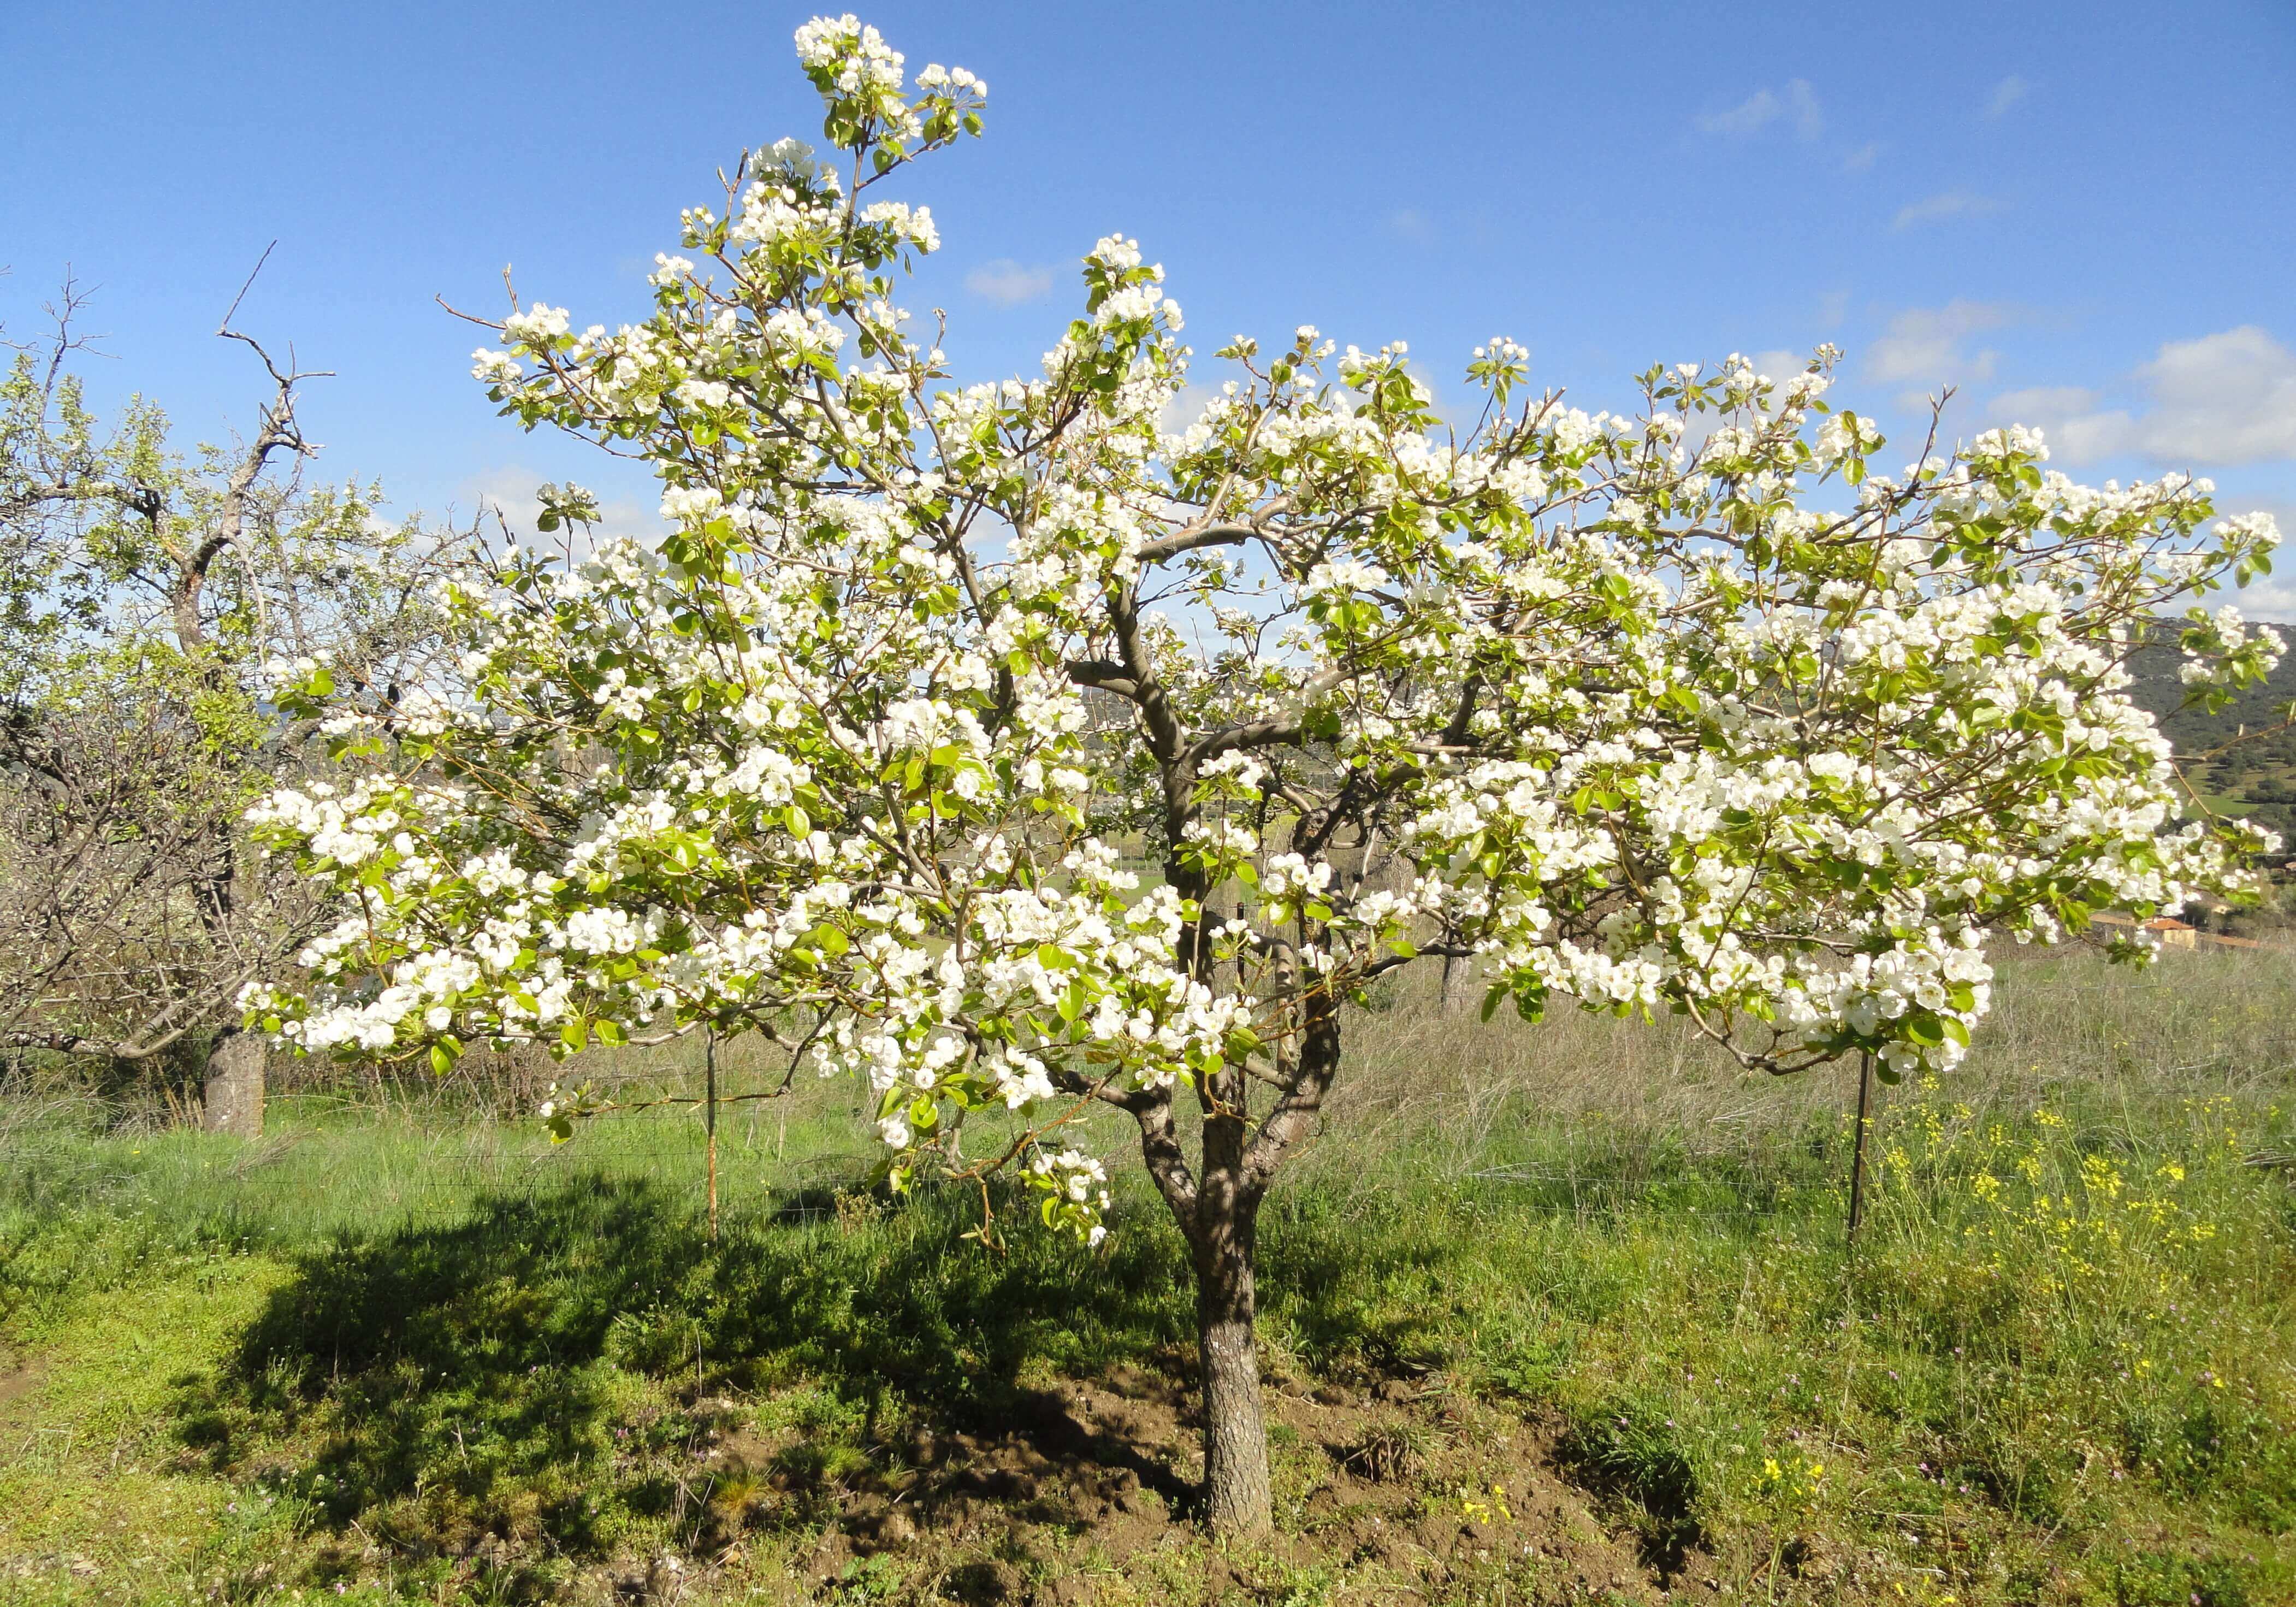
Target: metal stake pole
x,y
1858,1149
709,1122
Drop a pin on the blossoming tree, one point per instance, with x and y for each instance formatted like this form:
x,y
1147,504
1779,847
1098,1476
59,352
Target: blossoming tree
x,y
851,756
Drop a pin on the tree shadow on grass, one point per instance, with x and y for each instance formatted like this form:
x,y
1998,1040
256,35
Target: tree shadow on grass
x,y
545,1370
544,1380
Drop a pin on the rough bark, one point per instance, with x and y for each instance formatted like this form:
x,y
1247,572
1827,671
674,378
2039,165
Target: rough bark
x,y
233,1094
1221,1220
1238,1500
1221,1239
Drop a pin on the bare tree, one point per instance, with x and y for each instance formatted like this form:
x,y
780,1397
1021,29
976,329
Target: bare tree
x,y
146,603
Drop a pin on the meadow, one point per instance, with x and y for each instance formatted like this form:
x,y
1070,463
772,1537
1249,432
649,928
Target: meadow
x,y
1553,1313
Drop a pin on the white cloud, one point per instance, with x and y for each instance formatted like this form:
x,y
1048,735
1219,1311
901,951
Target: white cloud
x,y
1779,365
2067,414
2264,603
1938,209
2222,399
1929,345
1861,161
2006,93
1008,283
2274,596
1764,107
1187,406
507,492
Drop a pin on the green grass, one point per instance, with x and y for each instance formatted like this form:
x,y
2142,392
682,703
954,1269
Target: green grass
x,y
416,1353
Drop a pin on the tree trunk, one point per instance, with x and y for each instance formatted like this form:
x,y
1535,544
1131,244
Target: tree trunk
x,y
233,1096
1237,1497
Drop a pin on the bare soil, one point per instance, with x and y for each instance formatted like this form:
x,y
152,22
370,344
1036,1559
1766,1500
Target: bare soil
x,y
1087,1494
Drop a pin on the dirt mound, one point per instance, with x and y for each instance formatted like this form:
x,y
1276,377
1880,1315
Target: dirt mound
x,y
1086,1491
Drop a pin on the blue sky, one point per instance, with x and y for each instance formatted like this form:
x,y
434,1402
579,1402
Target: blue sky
x,y
2082,215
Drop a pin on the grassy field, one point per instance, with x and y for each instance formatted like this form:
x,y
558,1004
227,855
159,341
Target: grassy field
x,y
1552,1315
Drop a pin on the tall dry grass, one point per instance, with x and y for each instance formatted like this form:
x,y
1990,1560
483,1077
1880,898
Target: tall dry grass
x,y
2116,1045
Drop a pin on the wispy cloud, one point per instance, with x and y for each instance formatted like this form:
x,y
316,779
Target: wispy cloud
x,y
2006,93
1780,364
507,491
2216,402
1944,208
1833,308
1929,346
1187,406
1758,111
1007,283
1861,161
1412,225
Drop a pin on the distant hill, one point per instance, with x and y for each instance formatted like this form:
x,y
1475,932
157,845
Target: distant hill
x,y
2256,778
